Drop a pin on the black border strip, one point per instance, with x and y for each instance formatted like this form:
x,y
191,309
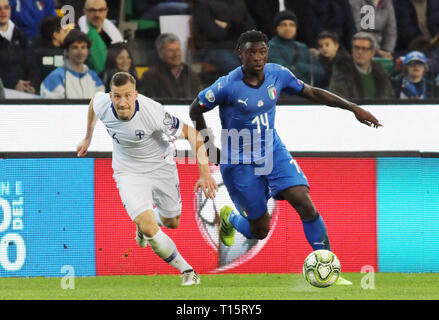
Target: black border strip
x,y
280,102
186,153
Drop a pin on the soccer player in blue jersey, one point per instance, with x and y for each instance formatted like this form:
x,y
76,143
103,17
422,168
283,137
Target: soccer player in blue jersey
x,y
254,163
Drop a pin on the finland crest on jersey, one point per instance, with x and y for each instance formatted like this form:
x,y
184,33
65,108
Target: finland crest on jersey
x,y
142,143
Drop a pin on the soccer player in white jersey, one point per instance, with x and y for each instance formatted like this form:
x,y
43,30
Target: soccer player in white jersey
x,y
143,164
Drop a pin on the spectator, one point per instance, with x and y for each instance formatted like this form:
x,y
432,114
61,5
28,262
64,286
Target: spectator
x,y
263,13
119,58
217,24
48,46
330,52
431,51
316,16
290,53
101,31
413,83
27,15
170,78
2,90
75,80
153,9
360,77
416,18
385,30
17,64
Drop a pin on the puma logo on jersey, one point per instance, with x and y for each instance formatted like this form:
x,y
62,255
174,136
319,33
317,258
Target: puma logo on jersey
x,y
243,101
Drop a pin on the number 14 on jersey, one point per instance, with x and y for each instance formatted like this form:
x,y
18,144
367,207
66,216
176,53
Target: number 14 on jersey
x,y
261,120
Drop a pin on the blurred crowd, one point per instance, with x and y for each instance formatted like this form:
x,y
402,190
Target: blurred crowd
x,y
359,49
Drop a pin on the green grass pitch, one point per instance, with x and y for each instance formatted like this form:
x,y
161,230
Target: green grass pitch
x,y
388,286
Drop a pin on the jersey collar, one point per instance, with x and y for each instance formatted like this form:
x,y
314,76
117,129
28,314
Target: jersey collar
x,y
248,84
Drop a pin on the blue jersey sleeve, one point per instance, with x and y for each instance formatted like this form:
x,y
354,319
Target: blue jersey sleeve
x,y
214,95
291,85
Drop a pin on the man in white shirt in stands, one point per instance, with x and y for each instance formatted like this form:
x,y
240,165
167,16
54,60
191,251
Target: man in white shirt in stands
x,y
143,164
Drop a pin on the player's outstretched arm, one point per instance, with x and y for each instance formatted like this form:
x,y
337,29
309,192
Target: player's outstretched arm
x,y
196,114
82,147
206,182
330,99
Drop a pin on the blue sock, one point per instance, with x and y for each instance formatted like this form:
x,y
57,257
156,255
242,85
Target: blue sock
x,y
241,224
315,232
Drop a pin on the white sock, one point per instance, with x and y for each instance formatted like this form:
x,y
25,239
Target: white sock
x,y
157,217
166,249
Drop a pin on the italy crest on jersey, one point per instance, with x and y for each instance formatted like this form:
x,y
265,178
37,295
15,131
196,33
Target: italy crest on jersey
x,y
271,91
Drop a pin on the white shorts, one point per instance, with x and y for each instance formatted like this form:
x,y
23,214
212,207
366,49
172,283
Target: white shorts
x,y
142,191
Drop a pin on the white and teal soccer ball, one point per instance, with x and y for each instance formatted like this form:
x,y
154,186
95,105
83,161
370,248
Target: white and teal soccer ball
x,y
321,268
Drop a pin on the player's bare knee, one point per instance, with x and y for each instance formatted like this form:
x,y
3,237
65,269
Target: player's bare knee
x,y
261,227
261,233
148,229
307,210
172,223
301,201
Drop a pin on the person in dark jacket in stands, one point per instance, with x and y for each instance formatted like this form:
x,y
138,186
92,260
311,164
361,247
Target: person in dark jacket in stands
x,y
263,13
47,47
17,64
316,16
217,24
416,18
292,54
170,78
360,77
330,52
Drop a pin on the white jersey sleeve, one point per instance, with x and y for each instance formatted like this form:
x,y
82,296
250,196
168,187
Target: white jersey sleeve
x,y
164,121
100,103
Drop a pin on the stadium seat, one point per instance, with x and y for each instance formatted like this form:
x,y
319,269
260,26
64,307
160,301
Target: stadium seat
x,y
387,64
128,22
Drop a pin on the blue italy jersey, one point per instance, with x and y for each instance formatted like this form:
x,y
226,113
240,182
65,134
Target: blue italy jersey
x,y
248,113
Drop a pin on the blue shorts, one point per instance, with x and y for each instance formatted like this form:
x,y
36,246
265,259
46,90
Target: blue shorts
x,y
250,192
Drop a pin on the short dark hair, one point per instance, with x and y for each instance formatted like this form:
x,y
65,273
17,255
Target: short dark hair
x,y
113,51
122,78
74,36
251,36
49,25
328,34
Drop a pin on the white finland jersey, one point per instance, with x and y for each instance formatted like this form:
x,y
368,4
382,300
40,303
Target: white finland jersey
x,y
141,144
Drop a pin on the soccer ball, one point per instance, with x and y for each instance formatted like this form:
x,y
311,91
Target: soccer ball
x,y
321,268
